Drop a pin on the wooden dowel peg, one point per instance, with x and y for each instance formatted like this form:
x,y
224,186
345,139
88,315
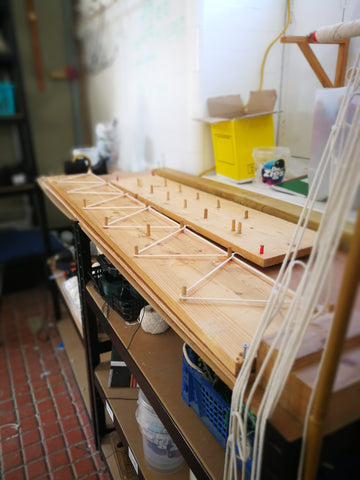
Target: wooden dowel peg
x,y
148,230
151,188
136,250
139,182
179,187
185,203
205,213
238,363
165,182
167,196
183,291
233,224
197,195
246,214
239,227
106,221
218,204
229,252
84,203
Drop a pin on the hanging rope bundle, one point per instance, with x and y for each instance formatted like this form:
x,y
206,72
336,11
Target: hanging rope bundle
x,y
337,31
341,157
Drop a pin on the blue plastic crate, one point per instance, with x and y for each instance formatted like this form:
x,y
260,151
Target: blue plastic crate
x,y
7,103
208,404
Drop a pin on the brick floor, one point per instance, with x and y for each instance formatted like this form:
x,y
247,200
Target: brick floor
x,y
44,424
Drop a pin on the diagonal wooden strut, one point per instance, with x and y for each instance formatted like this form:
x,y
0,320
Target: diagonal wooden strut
x,y
304,45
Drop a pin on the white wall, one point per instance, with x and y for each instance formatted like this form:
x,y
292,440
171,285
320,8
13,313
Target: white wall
x,y
155,62
299,83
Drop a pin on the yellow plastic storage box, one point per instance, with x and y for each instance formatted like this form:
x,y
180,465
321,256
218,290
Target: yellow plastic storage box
x,y
233,144
237,129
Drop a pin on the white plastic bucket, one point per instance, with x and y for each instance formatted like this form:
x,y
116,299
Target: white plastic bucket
x,y
160,451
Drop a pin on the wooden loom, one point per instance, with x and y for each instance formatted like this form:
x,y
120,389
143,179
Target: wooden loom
x,y
142,229
207,293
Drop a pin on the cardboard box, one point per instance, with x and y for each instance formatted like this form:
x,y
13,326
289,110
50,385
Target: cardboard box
x,y
237,129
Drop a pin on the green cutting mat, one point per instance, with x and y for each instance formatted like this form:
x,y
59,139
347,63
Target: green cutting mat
x,y
295,186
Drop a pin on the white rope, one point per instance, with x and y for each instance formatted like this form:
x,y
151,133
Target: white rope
x,y
95,205
220,252
337,31
76,177
342,154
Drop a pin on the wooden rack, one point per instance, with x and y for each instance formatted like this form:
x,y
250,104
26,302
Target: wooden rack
x,y
304,44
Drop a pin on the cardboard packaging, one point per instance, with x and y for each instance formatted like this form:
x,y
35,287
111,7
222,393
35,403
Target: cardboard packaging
x,y
237,129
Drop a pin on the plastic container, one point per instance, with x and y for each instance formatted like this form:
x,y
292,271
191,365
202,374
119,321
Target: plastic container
x,y
233,143
208,404
160,451
7,103
211,407
270,164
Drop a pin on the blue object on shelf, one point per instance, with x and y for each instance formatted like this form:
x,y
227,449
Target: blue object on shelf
x,y
15,244
208,404
212,409
7,103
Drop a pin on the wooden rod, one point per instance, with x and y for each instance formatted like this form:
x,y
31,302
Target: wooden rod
x,y
333,350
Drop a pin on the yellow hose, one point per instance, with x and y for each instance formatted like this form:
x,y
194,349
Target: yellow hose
x,y
272,43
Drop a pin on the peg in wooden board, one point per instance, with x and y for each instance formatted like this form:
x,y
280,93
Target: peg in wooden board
x,y
218,204
167,196
180,189
106,222
233,225
151,188
246,214
197,196
229,252
185,203
136,250
261,249
139,182
148,230
84,203
239,227
238,364
165,182
205,213
183,291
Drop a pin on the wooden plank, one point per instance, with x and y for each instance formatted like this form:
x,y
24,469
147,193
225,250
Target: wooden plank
x,y
272,206
298,388
244,229
216,330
